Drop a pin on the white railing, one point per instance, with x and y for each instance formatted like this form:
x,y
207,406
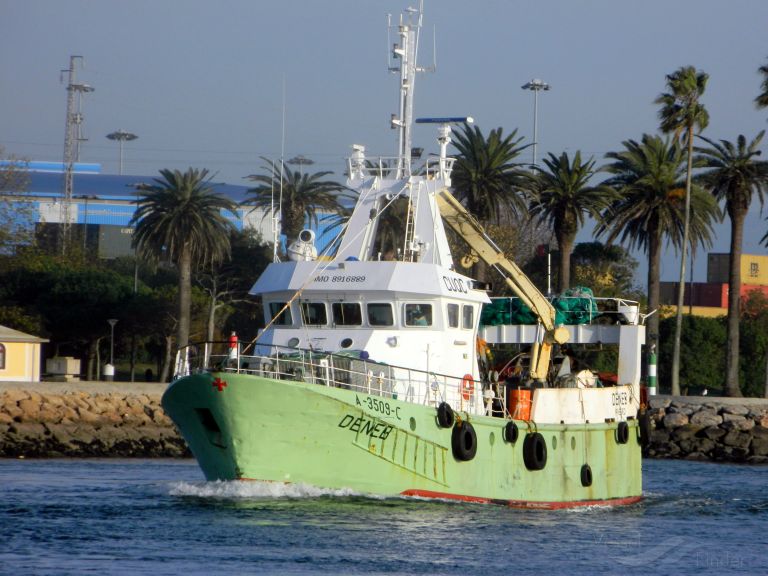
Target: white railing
x,y
388,167
348,371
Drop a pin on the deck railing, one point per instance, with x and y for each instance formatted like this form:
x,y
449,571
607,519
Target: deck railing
x,y
351,371
384,167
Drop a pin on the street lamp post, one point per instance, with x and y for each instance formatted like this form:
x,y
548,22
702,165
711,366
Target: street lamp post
x,y
121,136
536,85
301,161
109,369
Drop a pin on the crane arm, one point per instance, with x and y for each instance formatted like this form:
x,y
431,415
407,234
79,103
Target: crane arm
x,y
463,223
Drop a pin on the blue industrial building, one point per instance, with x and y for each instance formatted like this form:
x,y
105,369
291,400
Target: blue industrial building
x,y
103,205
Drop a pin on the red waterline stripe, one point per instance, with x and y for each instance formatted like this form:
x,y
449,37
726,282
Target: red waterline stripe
x,y
524,503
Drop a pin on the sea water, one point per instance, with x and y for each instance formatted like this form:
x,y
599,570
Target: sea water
x,y
159,517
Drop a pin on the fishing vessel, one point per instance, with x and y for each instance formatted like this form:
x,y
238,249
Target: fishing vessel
x,y
373,371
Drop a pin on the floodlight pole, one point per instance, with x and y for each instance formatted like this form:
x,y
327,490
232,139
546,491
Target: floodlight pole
x,y
121,136
536,85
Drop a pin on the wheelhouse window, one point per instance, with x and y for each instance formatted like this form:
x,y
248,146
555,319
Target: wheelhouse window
x,y
453,315
347,314
418,315
280,319
380,314
468,317
314,314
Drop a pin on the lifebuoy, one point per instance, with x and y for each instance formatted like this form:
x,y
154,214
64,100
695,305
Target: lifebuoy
x,y
445,415
622,433
586,475
511,432
464,441
467,386
535,451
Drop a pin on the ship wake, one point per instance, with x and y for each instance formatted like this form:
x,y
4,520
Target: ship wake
x,y
255,490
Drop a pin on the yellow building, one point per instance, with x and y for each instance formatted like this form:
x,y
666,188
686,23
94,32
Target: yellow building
x,y
20,358
710,298
754,268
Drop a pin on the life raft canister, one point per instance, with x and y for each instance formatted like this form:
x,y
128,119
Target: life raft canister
x,y
467,386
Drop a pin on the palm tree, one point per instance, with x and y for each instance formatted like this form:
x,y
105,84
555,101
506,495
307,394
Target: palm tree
x,y
486,177
681,113
762,98
299,198
563,199
488,180
648,176
734,176
180,218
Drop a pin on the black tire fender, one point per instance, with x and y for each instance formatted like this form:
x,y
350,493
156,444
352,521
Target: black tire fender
x,y
622,433
464,441
535,451
644,429
586,475
445,415
511,432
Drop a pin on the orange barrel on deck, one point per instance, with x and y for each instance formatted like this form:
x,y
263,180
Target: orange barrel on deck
x,y
519,403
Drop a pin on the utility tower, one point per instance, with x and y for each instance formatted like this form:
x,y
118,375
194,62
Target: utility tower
x,y
72,138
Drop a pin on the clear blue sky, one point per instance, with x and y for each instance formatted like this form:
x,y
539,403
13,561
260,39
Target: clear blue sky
x,y
201,83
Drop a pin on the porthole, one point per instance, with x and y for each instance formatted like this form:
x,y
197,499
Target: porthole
x,y
492,438
413,424
346,343
573,442
554,442
293,342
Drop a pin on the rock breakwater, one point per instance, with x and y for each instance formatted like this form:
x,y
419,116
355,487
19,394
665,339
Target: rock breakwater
x,y
55,421
695,428
41,420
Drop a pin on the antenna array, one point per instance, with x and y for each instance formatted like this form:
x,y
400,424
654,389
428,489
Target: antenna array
x,y
72,138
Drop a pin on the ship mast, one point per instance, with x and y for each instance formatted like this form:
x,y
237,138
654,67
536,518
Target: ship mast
x,y
406,51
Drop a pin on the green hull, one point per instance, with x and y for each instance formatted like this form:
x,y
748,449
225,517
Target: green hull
x,y
245,427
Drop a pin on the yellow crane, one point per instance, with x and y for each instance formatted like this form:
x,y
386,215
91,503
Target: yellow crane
x,y
463,223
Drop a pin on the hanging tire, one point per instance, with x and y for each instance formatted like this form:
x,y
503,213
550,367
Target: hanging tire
x,y
586,475
622,433
511,432
445,416
644,429
464,441
535,451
